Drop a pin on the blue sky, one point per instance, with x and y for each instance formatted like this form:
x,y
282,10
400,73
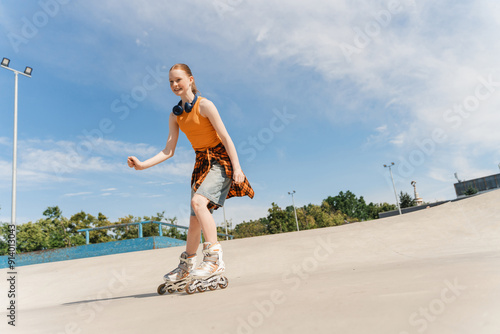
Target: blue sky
x,y
317,96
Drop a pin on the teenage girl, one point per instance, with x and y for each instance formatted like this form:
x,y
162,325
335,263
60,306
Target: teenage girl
x,y
217,173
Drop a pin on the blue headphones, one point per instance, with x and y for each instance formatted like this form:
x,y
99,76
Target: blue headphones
x,y
178,110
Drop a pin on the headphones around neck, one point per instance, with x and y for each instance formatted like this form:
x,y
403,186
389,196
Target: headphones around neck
x,y
178,110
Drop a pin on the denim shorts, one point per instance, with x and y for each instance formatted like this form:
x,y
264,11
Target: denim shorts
x,y
215,186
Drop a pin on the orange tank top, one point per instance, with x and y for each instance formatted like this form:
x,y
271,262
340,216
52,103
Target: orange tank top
x,y
198,129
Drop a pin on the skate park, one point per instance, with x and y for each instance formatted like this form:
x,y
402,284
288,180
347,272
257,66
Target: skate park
x,y
432,271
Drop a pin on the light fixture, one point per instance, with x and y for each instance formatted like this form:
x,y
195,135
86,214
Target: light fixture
x,y
28,70
5,62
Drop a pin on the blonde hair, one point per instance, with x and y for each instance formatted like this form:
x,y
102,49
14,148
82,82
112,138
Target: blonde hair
x,y
186,69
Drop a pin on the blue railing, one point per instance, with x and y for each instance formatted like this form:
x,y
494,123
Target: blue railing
x,y
160,224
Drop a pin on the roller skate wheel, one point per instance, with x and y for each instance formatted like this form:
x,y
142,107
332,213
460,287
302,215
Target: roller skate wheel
x,y
202,288
223,282
213,286
161,289
190,289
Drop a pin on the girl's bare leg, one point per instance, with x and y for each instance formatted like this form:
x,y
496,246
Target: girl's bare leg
x,y
193,236
204,219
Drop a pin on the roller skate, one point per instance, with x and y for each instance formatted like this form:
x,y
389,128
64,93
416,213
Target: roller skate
x,y
177,279
208,275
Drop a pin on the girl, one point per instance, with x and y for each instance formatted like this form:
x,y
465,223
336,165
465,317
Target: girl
x,y
217,173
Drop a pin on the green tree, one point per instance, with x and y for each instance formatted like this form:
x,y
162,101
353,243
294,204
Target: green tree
x,y
149,229
406,201
306,220
53,231
316,216
82,220
54,228
4,236
251,229
375,209
31,237
470,191
350,205
280,220
129,231
174,232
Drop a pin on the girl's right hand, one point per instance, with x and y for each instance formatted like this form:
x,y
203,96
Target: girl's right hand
x,y
133,162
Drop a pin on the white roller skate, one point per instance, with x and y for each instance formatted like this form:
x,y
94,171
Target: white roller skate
x,y
209,273
177,279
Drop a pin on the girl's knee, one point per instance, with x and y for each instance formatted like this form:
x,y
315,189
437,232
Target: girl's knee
x,y
198,202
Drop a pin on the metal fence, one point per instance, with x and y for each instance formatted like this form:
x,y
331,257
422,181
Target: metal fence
x,y
160,224
480,184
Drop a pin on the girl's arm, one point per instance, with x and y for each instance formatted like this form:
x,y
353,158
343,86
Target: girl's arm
x,y
208,109
166,153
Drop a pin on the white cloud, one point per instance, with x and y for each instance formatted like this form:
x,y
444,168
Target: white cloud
x,y
83,193
398,140
27,175
441,175
176,170
413,60
5,170
113,147
48,161
417,63
5,141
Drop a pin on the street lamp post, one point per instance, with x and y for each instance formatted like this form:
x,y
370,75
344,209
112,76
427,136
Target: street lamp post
x,y
27,73
225,221
394,186
295,211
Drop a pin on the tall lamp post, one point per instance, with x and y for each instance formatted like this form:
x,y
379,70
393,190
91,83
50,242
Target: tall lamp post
x,y
394,186
27,73
295,211
225,221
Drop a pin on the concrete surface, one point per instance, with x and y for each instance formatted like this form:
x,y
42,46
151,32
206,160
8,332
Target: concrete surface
x,y
432,271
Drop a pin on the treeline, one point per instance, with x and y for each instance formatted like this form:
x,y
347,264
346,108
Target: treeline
x,y
341,209
57,231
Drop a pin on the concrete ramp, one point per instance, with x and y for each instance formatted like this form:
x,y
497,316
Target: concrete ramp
x,y
432,271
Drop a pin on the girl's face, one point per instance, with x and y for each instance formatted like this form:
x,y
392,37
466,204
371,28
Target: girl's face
x,y
180,82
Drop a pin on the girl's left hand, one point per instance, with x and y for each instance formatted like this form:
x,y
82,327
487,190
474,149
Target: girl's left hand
x,y
238,176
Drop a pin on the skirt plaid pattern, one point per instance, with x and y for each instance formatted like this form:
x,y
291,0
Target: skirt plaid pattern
x,y
202,166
